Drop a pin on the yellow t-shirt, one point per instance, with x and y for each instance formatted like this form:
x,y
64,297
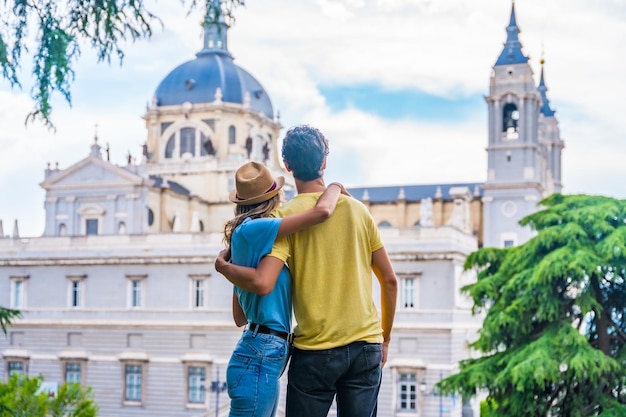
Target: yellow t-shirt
x,y
332,276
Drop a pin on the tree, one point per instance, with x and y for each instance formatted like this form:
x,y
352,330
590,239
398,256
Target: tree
x,y
553,337
22,397
61,25
6,315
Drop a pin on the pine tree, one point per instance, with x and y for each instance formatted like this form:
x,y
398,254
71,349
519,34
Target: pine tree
x,y
6,316
553,337
61,26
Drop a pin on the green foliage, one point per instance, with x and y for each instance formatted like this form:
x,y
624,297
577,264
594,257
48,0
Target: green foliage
x,y
61,25
6,316
553,340
21,397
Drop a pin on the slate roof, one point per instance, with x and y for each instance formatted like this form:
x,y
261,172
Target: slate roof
x,y
413,193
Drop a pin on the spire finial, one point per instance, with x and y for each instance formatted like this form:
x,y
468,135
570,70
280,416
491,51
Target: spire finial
x,y
215,28
95,148
545,108
512,51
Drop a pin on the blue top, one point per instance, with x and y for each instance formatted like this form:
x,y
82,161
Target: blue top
x,y
251,240
545,109
512,51
198,80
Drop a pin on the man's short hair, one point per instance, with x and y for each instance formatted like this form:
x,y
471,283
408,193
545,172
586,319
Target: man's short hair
x,y
304,150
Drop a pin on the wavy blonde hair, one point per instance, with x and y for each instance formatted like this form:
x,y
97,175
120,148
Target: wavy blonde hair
x,y
252,211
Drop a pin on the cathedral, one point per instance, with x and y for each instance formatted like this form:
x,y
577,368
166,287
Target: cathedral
x,y
120,293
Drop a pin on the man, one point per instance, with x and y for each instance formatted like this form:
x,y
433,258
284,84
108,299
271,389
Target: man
x,y
340,343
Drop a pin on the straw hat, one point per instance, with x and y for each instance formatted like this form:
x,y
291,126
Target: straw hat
x,y
255,184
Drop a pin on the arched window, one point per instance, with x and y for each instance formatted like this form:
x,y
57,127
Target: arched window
x,y
169,148
231,135
187,141
121,228
62,229
150,217
384,223
510,119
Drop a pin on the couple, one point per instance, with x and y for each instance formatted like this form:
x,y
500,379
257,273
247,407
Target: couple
x,y
340,344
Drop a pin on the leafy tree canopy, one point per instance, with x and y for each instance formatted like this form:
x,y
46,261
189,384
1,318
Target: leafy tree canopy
x,y
6,316
59,26
22,397
553,338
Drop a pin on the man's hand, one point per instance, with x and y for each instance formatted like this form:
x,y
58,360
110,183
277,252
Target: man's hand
x,y
385,352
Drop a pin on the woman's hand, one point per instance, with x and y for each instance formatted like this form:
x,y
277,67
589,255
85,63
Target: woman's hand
x,y
341,187
222,259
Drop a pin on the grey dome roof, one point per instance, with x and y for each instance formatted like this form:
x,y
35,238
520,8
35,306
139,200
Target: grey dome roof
x,y
197,81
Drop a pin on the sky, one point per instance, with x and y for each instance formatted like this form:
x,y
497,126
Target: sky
x,y
397,86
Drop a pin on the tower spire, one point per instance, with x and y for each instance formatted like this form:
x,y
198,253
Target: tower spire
x,y
512,51
545,103
215,29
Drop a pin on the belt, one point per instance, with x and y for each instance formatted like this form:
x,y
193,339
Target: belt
x,y
259,328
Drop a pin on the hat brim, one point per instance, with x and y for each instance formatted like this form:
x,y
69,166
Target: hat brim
x,y
280,181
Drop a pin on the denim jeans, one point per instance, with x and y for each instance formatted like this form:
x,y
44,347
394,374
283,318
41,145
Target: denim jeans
x,y
253,372
352,373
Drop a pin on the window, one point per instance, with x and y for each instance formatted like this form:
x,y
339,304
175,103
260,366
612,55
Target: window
x,y
75,294
198,291
408,293
510,118
231,135
196,377
150,217
169,147
91,226
135,291
164,126
18,291
121,228
73,372
407,391
18,294
508,240
76,290
384,223
133,379
187,141
16,367
62,229
91,217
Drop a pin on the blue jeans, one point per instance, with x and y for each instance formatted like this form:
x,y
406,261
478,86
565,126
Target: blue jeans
x,y
352,373
253,372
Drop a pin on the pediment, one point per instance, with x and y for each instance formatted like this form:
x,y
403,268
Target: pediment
x,y
92,172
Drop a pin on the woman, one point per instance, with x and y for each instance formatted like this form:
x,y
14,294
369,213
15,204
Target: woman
x,y
261,354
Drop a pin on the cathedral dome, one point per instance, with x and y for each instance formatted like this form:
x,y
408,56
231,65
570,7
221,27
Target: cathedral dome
x,y
197,81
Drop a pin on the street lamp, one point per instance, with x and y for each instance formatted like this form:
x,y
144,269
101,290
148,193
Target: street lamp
x,y
217,387
434,392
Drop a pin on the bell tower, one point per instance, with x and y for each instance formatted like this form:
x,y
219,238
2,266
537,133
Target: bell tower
x,y
521,171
